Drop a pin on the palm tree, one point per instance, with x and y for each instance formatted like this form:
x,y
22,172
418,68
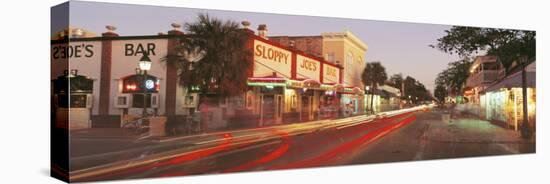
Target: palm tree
x,y
374,75
213,57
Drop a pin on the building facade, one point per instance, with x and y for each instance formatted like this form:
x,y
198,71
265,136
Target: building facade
x,y
483,71
502,101
496,95
286,84
340,48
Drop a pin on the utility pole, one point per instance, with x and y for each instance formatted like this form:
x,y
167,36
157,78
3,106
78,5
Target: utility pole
x,y
525,129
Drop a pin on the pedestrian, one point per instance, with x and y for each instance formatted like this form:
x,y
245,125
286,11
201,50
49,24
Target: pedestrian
x,y
193,124
203,108
452,109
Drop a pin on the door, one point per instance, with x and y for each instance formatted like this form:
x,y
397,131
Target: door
x,y
268,110
279,109
307,108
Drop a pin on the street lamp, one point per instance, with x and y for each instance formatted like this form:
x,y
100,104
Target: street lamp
x,y
144,66
367,88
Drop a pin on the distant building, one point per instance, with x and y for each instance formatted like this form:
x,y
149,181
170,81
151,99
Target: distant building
x,y
483,71
390,98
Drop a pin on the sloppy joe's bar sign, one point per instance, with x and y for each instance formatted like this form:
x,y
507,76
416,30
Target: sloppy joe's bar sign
x,y
308,68
269,59
331,74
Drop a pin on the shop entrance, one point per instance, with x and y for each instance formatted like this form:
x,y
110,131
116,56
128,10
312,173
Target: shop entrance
x,y
271,109
142,92
306,112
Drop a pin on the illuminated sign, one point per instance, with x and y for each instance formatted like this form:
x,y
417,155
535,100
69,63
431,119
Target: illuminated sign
x,y
269,59
295,84
308,68
331,74
149,84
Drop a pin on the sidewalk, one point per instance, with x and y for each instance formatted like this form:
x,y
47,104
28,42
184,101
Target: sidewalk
x,y
100,133
468,129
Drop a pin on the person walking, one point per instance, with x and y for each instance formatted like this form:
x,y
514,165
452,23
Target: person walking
x,y
451,110
204,113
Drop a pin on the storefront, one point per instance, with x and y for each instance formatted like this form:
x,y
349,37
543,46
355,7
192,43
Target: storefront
x,y
285,85
139,95
291,86
116,89
353,101
503,101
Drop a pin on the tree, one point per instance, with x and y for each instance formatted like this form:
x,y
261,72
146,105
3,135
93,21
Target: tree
x,y
396,80
454,76
509,45
415,91
440,92
373,75
213,58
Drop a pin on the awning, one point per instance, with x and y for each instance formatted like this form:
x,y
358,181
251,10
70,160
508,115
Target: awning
x,y
353,90
513,81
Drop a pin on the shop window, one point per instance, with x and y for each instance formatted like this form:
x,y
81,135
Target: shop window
x,y
136,84
77,86
78,101
75,101
238,101
137,101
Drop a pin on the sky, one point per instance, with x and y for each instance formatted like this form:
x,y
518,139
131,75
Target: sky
x,y
400,47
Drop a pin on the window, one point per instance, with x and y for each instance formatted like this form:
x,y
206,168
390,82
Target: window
x,y
75,101
137,101
490,66
121,100
349,63
330,57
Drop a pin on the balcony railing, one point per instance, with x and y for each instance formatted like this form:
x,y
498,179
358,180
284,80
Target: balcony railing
x,y
483,77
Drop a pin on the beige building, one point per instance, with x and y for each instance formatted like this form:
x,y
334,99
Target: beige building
x,y
341,48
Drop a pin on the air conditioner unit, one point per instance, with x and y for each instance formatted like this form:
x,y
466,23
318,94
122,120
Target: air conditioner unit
x,y
154,100
122,101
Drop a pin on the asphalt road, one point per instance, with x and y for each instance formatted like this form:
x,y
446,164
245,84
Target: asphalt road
x,y
430,138
416,134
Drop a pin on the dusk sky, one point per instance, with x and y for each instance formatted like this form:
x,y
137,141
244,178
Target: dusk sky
x,y
400,47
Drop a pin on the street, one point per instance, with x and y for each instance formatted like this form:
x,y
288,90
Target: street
x,y
410,134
